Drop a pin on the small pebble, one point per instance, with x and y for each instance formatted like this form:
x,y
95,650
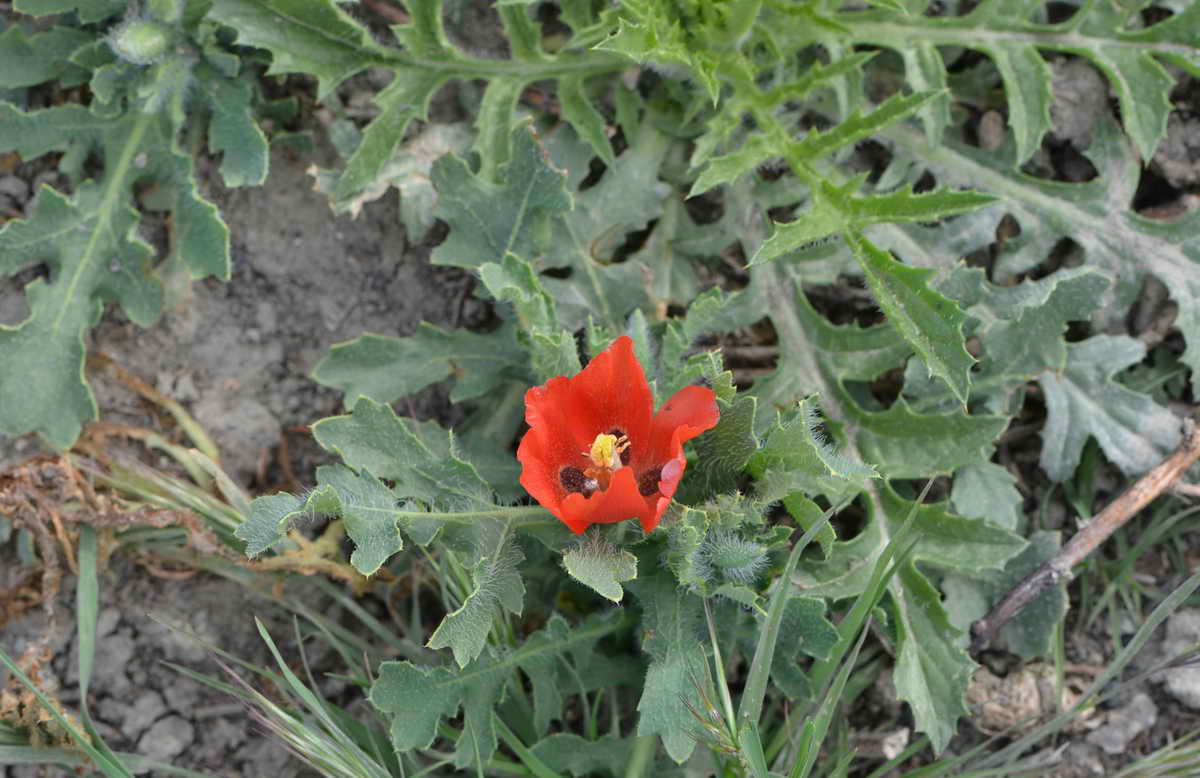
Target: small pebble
x,y
167,739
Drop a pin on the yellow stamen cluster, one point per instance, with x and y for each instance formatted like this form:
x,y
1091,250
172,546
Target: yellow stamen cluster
x,y
606,457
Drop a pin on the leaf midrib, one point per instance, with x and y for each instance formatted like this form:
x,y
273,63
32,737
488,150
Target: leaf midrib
x,y
109,202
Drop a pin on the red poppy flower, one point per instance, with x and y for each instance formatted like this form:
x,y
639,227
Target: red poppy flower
x,y
596,453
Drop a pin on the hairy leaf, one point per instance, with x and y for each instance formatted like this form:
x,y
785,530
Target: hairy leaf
x,y
1097,215
90,245
497,584
489,220
581,758
1134,431
319,38
1030,634
602,568
381,367
930,322
418,698
671,622
1111,38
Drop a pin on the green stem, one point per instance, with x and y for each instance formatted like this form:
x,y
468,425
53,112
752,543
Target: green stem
x,y
523,516
722,684
641,757
764,652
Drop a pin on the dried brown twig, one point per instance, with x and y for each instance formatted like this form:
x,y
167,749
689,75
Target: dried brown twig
x,y
1095,532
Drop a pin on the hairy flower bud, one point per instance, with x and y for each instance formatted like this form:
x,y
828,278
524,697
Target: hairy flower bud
x,y
142,41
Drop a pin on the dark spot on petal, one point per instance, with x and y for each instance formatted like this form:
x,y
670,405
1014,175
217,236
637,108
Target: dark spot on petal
x,y
573,479
648,482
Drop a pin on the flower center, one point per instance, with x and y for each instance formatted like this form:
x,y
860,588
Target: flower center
x,y
605,454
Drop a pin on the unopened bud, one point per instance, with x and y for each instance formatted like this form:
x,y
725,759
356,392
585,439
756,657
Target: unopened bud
x,y
141,41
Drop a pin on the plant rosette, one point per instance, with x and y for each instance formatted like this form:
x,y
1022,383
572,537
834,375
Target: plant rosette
x,y
596,453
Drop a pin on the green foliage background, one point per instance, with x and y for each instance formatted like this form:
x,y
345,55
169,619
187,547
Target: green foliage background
x,y
757,107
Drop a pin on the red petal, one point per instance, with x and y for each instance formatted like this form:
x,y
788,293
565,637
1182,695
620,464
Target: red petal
x,y
539,473
690,411
660,507
553,420
620,501
566,414
611,392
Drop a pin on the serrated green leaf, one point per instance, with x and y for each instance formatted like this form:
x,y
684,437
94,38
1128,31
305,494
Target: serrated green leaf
x,y
931,672
26,60
796,456
497,583
947,541
816,356
319,38
1021,330
408,170
1103,33
670,276
805,629
931,323
656,37
1027,82
988,491
417,698
488,220
627,197
419,459
365,506
601,568
269,517
232,130
583,116
858,126
551,350
836,212
723,452
671,622
569,753
91,246
1030,634
904,444
89,10
1097,215
382,367
1134,431
727,168
305,36
400,102
926,71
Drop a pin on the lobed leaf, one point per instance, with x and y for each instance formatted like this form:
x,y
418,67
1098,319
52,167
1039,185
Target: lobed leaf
x,y
1134,431
1030,634
418,698
671,623
835,212
489,220
930,322
27,60
497,583
1115,241
1105,34
601,568
381,367
90,245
